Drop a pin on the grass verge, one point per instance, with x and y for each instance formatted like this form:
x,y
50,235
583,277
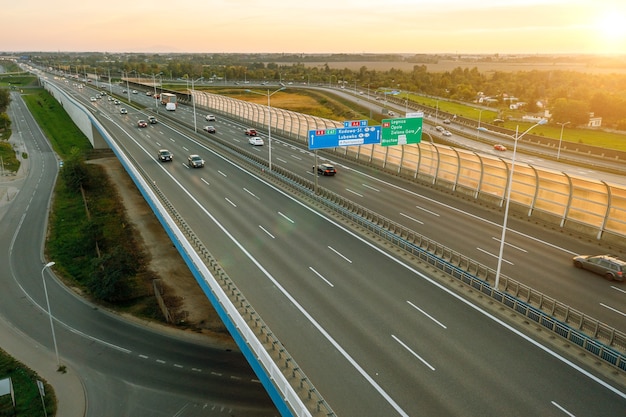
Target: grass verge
x,y
27,399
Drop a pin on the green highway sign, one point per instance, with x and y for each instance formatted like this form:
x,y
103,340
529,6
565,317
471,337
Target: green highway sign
x,y
401,131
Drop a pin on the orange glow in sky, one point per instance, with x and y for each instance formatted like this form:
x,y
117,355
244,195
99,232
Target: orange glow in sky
x,y
321,26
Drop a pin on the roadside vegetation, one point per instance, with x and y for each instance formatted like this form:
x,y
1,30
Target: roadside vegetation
x,y
28,402
90,238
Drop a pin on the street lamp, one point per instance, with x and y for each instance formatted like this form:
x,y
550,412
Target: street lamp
x,y
193,102
508,196
156,100
269,121
480,113
558,154
45,289
128,87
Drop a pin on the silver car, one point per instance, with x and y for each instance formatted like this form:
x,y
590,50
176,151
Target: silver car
x,y
609,266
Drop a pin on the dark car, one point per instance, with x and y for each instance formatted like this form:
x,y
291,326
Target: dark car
x,y
195,161
250,132
609,266
142,123
325,169
209,129
165,155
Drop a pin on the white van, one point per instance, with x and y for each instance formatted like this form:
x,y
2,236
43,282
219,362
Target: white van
x,y
170,106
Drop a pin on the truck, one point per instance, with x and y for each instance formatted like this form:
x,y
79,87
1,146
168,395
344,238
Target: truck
x,y
169,100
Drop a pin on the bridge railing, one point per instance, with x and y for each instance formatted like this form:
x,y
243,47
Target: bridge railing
x,y
591,207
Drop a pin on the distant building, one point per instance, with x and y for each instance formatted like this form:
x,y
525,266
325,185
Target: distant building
x,y
594,121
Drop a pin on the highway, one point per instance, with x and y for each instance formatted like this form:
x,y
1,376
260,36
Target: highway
x,y
127,369
377,336
533,255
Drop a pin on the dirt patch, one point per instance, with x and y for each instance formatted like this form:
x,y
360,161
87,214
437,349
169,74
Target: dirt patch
x,y
164,261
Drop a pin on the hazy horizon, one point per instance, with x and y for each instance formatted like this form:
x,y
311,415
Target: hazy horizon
x,y
535,27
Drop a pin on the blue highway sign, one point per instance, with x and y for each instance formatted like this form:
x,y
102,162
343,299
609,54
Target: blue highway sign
x,y
352,136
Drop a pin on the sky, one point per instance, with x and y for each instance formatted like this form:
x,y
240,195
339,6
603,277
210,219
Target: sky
x,y
319,26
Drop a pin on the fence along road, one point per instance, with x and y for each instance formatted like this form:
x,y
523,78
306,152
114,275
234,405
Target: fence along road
x,y
591,207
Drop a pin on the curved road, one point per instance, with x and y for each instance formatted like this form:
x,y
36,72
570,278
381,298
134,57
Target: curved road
x,y
127,369
376,336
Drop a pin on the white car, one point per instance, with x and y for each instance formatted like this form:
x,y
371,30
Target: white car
x,y
210,118
123,110
256,141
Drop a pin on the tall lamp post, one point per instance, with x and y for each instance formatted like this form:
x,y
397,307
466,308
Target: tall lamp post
x,y
480,113
156,100
193,101
558,153
45,290
508,197
269,121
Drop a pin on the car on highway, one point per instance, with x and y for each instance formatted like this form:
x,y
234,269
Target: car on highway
x,y
209,118
164,155
92,99
446,121
116,102
250,132
499,147
610,267
142,123
148,93
123,110
446,133
195,161
209,129
256,141
152,120
134,91
325,169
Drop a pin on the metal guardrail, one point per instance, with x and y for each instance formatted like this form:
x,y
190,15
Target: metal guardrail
x,y
563,320
318,407
598,338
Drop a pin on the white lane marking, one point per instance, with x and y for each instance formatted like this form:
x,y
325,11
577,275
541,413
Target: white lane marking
x,y
231,203
337,252
160,361
495,256
413,353
354,192
268,233
251,193
613,309
178,366
285,217
508,244
320,275
411,218
452,208
281,160
143,356
618,289
370,187
562,409
204,181
325,333
222,174
427,211
426,314
296,157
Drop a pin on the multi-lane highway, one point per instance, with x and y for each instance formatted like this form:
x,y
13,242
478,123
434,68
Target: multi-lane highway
x,y
377,336
127,369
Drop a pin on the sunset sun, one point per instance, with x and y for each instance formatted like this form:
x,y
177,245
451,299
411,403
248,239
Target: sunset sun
x,y
611,27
